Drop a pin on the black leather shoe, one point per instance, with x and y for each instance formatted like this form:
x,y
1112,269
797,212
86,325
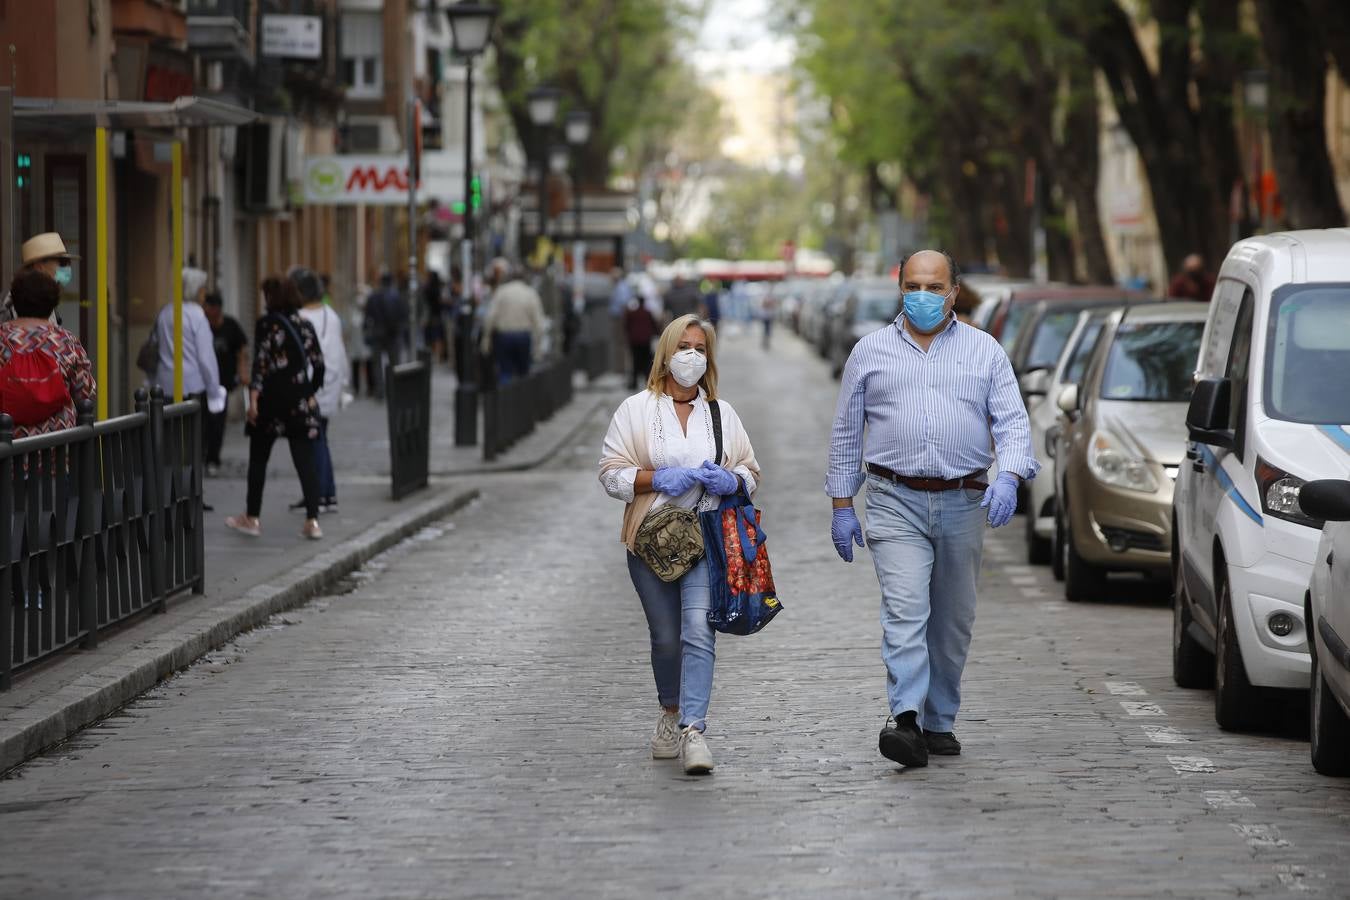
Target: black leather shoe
x,y
942,743
901,741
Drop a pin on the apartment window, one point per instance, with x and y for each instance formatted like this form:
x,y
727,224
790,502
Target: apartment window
x,y
362,48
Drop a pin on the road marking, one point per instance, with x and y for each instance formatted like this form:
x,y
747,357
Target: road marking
x,y
1031,593
1192,765
1296,878
1051,607
1137,708
1126,689
1023,579
1260,835
1227,800
1164,734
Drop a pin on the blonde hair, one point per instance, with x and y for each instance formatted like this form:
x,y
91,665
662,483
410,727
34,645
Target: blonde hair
x,y
668,345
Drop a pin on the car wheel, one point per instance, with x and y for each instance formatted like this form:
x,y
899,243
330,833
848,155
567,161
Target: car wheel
x,y
1038,548
1057,547
1328,726
1192,667
1082,580
1237,705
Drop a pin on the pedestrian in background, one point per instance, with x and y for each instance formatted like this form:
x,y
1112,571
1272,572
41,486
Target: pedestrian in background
x,y
327,325
682,299
231,344
639,328
916,405
661,450
44,253
358,347
1193,282
621,293
386,323
199,344
44,371
712,302
287,371
514,323
433,313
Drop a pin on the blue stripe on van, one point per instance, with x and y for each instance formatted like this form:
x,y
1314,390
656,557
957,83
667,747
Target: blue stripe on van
x,y
1225,482
1338,434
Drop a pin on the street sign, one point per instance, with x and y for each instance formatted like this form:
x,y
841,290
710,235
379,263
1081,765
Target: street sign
x,y
347,180
296,37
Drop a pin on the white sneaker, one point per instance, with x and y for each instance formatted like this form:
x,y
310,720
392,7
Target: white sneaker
x,y
695,753
666,737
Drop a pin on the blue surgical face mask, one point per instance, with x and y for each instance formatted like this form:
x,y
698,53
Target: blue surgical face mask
x,y
925,309
63,275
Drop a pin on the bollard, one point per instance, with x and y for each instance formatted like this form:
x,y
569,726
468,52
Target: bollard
x,y
154,486
6,545
86,478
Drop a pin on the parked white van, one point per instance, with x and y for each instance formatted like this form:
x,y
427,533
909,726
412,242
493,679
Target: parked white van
x,y
1270,412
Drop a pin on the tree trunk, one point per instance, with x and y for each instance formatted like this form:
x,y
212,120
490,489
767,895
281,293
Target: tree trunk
x,y
1221,42
1012,219
1333,23
1297,114
1079,169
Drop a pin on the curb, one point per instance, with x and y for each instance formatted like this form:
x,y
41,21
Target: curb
x,y
531,463
96,694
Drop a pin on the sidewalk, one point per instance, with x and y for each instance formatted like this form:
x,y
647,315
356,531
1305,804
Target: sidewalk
x,y
249,580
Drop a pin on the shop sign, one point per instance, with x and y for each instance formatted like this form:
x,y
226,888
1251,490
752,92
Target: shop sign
x,y
379,180
295,37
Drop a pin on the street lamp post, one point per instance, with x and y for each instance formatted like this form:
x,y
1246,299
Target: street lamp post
x,y
470,27
578,131
543,108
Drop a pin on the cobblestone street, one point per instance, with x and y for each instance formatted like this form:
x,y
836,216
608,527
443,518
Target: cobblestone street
x,y
471,719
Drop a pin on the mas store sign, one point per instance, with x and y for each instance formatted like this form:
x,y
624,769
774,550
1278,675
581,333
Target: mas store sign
x,y
378,180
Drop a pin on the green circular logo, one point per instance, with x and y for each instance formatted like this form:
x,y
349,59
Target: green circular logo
x,y
325,178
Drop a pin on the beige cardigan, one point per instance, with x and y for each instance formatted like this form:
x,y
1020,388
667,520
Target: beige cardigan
x,y
634,442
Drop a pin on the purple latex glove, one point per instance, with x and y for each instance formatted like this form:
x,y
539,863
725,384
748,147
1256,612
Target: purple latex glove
x,y
845,530
718,480
1001,499
674,480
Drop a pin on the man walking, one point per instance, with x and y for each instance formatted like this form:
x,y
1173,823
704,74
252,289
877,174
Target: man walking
x,y
929,389
515,321
231,345
386,326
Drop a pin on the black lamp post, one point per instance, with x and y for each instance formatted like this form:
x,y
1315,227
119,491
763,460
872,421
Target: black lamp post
x,y
543,108
471,28
577,130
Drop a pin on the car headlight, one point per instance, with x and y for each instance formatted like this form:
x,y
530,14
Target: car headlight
x,y
1279,494
1111,464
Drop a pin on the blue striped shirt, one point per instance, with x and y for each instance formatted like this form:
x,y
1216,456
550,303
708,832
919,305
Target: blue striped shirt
x,y
928,415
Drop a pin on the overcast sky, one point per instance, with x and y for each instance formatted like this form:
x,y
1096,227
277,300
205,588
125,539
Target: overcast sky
x,y
736,35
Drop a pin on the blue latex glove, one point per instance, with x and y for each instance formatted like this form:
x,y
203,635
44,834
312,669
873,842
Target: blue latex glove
x,y
1001,499
845,530
674,480
718,480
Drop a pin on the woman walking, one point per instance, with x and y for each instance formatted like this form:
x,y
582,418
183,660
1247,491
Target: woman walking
x,y
287,371
661,451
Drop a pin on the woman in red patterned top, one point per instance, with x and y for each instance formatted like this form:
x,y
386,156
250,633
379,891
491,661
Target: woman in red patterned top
x,y
32,347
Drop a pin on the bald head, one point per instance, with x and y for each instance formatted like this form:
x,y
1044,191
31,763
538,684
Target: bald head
x,y
1194,264
927,270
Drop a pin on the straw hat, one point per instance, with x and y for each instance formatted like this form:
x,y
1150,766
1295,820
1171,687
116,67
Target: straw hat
x,y
45,246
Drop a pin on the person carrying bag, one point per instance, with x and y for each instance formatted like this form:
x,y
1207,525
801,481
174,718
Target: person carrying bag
x,y
661,453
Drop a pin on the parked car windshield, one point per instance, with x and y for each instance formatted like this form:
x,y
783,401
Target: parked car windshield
x,y
1052,333
1152,361
878,306
1012,324
1308,356
1082,352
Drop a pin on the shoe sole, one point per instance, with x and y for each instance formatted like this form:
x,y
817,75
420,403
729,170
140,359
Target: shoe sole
x,y
932,752
897,749
699,769
672,753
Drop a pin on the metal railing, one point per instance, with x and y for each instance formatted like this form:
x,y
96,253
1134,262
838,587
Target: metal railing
x,y
97,523
408,401
512,410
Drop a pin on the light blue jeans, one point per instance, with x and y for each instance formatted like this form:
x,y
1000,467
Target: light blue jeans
x,y
926,547
682,639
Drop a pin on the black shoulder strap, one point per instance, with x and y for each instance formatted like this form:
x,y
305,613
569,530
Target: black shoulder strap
x,y
717,428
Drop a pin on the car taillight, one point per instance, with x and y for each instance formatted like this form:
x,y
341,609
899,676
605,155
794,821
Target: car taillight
x,y
1279,494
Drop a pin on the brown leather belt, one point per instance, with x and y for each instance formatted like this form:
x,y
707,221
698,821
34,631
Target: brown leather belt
x,y
928,484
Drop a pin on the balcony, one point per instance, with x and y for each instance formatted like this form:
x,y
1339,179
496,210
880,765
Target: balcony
x,y
220,29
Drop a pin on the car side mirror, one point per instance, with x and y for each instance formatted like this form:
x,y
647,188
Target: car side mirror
x,y
1067,401
1035,383
1327,500
1207,416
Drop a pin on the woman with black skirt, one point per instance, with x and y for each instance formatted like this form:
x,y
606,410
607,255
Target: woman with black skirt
x,y
287,368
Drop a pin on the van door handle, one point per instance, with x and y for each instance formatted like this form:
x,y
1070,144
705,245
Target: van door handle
x,y
1331,555
1198,465
1191,452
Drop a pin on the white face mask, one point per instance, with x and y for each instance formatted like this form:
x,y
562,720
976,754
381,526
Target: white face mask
x,y
688,367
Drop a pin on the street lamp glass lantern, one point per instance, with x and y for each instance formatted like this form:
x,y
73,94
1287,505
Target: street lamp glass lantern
x,y
471,26
578,127
558,158
543,105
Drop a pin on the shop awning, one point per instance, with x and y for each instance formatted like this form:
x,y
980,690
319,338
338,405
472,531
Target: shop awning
x,y
121,115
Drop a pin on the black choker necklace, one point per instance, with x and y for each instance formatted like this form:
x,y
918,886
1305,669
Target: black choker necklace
x,y
690,401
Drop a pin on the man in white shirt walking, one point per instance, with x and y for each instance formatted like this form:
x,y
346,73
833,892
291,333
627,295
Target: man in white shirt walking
x,y
515,320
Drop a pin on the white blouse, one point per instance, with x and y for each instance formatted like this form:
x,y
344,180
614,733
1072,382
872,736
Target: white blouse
x,y
671,445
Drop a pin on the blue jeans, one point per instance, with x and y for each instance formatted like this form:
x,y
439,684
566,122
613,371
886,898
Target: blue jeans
x,y
511,350
323,461
682,639
926,548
